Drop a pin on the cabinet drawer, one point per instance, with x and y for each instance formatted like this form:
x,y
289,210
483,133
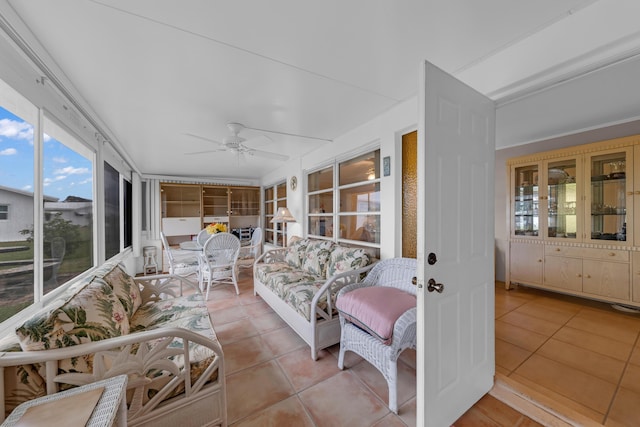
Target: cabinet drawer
x,y
181,226
592,253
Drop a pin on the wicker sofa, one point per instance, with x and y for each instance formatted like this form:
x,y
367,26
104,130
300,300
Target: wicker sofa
x,y
156,329
300,284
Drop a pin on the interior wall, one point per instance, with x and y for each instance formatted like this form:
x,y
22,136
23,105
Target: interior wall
x,y
501,174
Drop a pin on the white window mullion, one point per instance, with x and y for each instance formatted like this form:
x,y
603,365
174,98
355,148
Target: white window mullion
x,y
38,208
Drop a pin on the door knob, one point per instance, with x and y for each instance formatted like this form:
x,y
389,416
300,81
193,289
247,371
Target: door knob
x,y
433,286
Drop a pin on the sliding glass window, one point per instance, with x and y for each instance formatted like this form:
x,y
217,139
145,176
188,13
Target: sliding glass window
x,y
46,204
16,205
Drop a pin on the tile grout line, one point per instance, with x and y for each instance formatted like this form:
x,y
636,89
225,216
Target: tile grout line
x,y
619,384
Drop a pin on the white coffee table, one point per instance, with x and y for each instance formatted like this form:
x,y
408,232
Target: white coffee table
x,y
111,409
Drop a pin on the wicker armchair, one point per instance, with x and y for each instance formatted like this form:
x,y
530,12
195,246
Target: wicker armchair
x,y
218,262
249,254
180,263
391,273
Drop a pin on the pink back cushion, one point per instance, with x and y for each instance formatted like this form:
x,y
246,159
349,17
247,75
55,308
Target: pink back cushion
x,y
375,309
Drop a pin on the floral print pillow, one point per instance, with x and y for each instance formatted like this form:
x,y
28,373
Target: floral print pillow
x,y
295,253
316,257
346,259
93,314
124,288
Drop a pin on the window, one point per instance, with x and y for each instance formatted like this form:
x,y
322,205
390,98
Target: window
x,y
111,211
67,182
343,202
4,212
274,198
16,189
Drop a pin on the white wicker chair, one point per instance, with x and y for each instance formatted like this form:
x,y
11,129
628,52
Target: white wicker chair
x,y
249,254
396,273
202,237
181,264
218,262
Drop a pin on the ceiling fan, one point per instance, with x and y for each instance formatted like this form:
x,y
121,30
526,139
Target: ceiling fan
x,y
235,143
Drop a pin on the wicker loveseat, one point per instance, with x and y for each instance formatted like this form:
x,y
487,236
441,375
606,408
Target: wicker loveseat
x,y
300,284
156,329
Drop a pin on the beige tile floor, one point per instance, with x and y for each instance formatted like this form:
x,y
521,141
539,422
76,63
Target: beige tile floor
x,y
580,353
272,381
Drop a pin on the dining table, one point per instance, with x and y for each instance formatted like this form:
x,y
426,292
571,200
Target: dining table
x,y
190,245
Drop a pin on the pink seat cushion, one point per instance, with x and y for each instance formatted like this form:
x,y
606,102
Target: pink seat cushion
x,y
375,309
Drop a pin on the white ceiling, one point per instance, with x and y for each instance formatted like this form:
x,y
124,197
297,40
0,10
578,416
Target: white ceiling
x,y
156,70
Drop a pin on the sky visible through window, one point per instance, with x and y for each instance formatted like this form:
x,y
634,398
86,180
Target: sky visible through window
x,y
66,173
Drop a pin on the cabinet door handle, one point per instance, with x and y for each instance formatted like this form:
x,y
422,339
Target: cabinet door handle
x,y
539,260
557,249
588,276
578,275
612,254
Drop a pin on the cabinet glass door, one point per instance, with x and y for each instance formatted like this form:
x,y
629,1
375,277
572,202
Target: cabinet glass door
x,y
562,199
526,217
608,196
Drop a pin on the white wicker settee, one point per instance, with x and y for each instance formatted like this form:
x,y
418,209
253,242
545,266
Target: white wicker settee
x,y
300,284
113,324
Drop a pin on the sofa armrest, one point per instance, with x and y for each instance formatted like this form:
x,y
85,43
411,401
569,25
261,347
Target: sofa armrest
x,y
135,355
273,255
161,286
333,285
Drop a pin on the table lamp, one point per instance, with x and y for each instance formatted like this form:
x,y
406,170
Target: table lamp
x,y
283,216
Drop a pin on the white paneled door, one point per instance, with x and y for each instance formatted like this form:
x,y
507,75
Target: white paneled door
x,y
456,146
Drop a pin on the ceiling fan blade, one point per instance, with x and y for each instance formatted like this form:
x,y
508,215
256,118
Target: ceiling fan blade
x,y
288,134
258,141
203,138
206,151
268,155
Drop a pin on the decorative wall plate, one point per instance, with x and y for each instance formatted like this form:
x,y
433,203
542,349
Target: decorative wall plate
x,y
293,183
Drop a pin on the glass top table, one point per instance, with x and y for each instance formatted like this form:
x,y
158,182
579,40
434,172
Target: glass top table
x,y
190,245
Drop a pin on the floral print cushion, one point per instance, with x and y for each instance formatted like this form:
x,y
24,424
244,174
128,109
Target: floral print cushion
x,y
344,259
125,288
161,313
93,314
263,270
299,297
279,282
316,257
295,253
21,383
189,312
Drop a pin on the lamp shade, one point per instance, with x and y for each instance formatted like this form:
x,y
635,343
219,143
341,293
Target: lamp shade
x,y
283,215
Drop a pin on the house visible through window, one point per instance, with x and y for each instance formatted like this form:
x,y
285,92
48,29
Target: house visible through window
x,y
4,212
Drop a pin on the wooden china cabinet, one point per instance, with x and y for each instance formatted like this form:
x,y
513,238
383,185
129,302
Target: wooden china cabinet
x,y
575,221
188,208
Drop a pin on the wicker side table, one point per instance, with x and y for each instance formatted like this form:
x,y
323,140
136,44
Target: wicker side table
x,y
111,409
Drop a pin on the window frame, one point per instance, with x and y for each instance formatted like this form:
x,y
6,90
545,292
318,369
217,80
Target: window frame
x,y
279,199
337,213
4,211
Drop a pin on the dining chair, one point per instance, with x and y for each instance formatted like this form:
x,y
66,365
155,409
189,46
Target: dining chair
x,y
249,254
202,237
218,262
179,263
